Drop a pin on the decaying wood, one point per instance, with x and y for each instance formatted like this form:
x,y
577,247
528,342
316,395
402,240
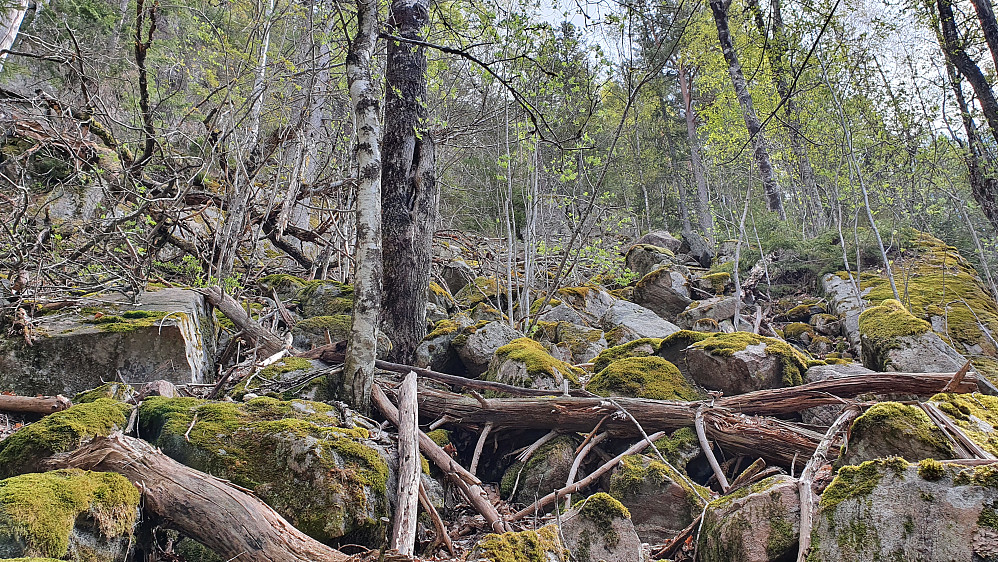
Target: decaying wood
x,y
473,468
547,500
34,404
209,510
407,503
955,434
471,486
583,450
230,307
708,451
808,501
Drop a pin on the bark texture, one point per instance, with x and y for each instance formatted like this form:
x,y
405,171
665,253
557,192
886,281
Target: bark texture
x,y
704,216
957,55
409,195
760,151
362,347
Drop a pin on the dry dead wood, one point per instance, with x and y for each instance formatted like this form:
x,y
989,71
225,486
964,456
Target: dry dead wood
x,y
209,510
471,486
34,404
230,307
407,503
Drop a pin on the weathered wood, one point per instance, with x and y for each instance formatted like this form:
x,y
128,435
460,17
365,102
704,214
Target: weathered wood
x,y
808,501
230,307
471,486
404,529
699,424
209,510
438,523
34,404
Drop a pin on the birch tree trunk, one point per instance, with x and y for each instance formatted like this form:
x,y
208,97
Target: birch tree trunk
x,y
10,24
704,216
362,346
774,194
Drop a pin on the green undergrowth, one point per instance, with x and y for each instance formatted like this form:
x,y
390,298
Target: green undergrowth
x,y
975,414
39,510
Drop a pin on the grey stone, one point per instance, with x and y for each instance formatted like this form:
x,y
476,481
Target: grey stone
x,y
643,258
477,349
642,322
717,308
662,239
78,352
456,274
545,471
846,303
663,291
660,503
924,353
562,313
752,368
593,532
760,526
590,302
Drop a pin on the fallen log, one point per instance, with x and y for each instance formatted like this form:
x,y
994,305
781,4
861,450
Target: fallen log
x,y
33,404
777,441
230,307
212,511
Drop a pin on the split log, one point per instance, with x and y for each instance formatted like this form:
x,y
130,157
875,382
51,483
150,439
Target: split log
x,y
230,307
207,509
471,486
404,529
34,404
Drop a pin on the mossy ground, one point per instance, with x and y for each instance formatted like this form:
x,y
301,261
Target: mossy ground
x,y
526,546
40,509
537,360
257,444
644,377
60,432
794,362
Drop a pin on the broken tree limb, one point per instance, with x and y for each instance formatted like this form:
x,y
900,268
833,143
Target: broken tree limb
x,y
438,523
808,501
34,405
268,342
572,488
470,485
209,510
698,424
407,506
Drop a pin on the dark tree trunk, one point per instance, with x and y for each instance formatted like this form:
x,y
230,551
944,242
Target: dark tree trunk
x,y
409,189
958,57
986,13
706,219
774,194
983,183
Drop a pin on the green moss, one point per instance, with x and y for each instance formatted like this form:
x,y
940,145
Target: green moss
x,y
285,365
718,281
858,481
113,390
127,321
480,290
40,510
795,363
675,447
579,294
893,421
525,546
60,432
799,313
559,446
795,330
282,282
636,348
931,469
882,324
440,293
638,472
643,377
602,509
537,360
989,516
442,328
975,414
535,308
985,476
439,436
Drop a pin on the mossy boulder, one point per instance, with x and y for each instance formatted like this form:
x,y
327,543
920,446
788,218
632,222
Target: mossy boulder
x,y
644,377
545,470
975,414
542,545
744,362
717,309
291,377
760,522
600,528
477,345
436,350
457,274
638,348
717,283
895,340
60,432
659,500
482,289
319,471
524,362
890,510
590,301
324,298
572,343
643,258
892,429
114,390
316,331
169,334
71,514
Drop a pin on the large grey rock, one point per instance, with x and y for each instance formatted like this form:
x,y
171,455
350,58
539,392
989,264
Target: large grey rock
x,y
741,362
895,340
477,348
524,362
545,471
599,528
846,303
457,274
637,319
699,248
169,334
662,239
579,343
891,429
888,510
663,291
325,298
660,502
826,415
760,523
643,258
717,309
562,313
591,302
436,350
